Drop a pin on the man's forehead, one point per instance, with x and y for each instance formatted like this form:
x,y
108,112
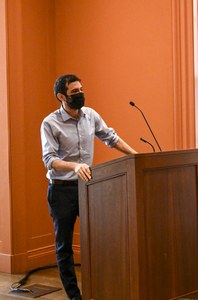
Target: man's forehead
x,y
73,85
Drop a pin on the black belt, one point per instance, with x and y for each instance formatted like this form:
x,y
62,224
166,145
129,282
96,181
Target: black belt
x,y
63,182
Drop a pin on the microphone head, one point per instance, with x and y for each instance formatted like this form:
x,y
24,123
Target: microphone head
x,y
132,103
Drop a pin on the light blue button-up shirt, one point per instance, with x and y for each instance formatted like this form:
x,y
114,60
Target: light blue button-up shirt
x,y
72,140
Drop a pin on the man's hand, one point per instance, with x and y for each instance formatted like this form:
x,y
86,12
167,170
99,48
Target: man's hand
x,y
83,170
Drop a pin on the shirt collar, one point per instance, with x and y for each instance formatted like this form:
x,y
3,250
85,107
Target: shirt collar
x,y
66,116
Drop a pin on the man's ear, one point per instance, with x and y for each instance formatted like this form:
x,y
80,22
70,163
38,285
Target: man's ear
x,y
61,97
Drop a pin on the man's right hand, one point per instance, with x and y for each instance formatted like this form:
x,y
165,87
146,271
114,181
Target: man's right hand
x,y
84,171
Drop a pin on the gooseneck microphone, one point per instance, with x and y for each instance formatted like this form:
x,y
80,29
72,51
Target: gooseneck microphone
x,y
133,104
145,141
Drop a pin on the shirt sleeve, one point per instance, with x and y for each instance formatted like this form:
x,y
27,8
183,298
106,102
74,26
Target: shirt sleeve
x,y
49,144
105,133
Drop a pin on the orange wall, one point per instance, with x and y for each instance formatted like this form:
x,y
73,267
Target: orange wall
x,y
5,216
123,51
30,67
132,50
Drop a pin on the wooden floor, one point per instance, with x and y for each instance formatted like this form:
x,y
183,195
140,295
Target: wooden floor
x,y
49,277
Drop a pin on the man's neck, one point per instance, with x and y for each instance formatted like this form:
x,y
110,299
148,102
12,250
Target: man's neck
x,y
72,112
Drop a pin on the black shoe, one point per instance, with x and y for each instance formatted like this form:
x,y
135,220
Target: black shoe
x,y
77,298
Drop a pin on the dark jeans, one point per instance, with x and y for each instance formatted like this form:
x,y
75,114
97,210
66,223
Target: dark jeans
x,y
64,209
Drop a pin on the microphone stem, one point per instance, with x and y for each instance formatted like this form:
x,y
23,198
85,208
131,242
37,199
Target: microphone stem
x,y
145,141
149,128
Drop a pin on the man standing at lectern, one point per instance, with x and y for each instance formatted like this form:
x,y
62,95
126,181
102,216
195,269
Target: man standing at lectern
x,y
67,136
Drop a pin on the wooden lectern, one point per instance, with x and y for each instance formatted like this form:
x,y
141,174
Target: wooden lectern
x,y
139,227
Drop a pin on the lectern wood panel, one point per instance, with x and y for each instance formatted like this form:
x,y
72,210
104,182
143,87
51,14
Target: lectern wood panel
x,y
109,226
156,233
139,227
170,202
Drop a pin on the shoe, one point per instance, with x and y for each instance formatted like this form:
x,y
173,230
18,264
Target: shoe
x,y
77,298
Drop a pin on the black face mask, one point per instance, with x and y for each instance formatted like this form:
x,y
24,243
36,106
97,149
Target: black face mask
x,y
76,101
